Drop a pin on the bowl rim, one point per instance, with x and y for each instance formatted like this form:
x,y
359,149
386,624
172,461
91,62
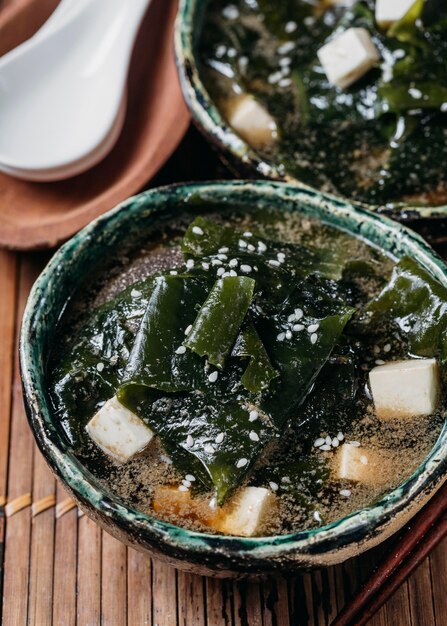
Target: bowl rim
x,y
86,488
209,120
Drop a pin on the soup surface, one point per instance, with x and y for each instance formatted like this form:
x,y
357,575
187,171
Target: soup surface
x,y
381,139
238,351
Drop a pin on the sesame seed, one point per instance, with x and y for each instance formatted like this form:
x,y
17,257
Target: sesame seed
x,y
335,442
173,272
291,318
288,334
230,12
232,52
220,271
415,93
223,250
220,51
281,257
316,515
253,436
100,366
379,362
243,62
364,460
273,486
241,463
246,268
285,82
232,273
189,441
376,349
206,266
319,442
190,477
345,493
281,336
181,350
251,248
299,313
313,328
208,448
261,246
226,274
213,503
285,479
328,440
356,444
248,234
189,264
274,78
135,293
222,257
233,262
183,488
313,338
273,262
387,347
297,327
290,27
219,438
197,230
287,47
340,436
186,482
325,448
216,262
242,243
213,376
253,416
188,329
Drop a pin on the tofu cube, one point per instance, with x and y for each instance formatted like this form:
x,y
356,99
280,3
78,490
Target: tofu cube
x,y
361,465
252,121
388,12
248,512
408,388
348,57
118,432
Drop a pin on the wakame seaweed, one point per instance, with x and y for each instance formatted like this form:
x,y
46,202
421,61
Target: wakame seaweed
x,y
382,140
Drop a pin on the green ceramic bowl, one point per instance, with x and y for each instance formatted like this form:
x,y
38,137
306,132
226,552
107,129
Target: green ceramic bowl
x,y
239,156
71,267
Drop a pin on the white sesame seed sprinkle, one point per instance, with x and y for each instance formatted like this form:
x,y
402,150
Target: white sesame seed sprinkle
x,y
274,78
223,250
313,338
189,264
205,265
173,272
230,12
189,441
340,436
319,442
253,416
345,493
316,515
183,488
213,503
188,329
219,438
273,486
287,47
226,274
325,448
209,448
251,247
248,233
387,347
220,271
100,366
216,262
241,463
190,477
233,263
273,262
242,243
380,362
297,327
181,350
281,257
221,51
232,273
222,257
186,482
356,444
299,313
135,293
288,334
253,436
335,442
232,52
312,328
213,376
291,318
197,230
328,440
285,82
261,246
285,479
290,27
281,336
246,268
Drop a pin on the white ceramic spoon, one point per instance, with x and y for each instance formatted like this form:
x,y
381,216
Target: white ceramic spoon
x,y
62,94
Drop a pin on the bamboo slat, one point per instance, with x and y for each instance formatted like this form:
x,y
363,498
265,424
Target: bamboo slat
x,y
191,599
139,596
219,594
164,594
64,584
113,582
88,608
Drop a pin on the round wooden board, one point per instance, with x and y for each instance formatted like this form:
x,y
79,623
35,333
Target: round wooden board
x,y
41,215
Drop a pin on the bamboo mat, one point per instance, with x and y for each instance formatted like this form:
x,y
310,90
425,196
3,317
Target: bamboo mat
x,y
57,567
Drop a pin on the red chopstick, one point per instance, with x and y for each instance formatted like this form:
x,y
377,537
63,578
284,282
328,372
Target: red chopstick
x,y
420,536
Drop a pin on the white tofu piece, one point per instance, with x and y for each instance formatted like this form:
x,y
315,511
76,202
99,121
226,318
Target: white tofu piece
x,y
252,121
348,57
118,432
405,388
388,12
248,512
361,465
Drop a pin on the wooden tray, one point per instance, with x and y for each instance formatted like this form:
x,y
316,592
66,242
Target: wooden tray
x,y
41,215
